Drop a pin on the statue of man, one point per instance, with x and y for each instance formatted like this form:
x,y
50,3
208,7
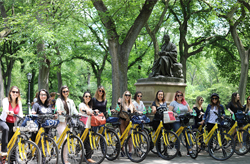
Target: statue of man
x,y
168,56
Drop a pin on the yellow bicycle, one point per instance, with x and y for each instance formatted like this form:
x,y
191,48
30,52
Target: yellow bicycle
x,y
21,150
221,146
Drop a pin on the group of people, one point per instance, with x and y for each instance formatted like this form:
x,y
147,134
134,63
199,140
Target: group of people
x,y
64,105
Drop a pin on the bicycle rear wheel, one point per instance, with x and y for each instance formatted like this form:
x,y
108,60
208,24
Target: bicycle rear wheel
x,y
199,139
137,151
27,152
75,153
113,145
241,148
223,152
168,145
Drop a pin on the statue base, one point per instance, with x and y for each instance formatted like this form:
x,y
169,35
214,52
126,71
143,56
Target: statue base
x,y
151,85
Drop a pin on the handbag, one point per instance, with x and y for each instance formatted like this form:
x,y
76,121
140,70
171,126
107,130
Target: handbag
x,y
124,116
97,120
168,117
112,119
50,123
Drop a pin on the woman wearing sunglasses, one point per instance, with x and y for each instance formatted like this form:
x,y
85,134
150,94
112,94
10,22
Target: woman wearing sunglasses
x,y
180,107
199,112
126,105
139,106
11,105
210,118
99,100
66,106
86,105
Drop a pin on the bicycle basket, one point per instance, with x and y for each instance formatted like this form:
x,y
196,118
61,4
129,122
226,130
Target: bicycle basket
x,y
50,123
187,121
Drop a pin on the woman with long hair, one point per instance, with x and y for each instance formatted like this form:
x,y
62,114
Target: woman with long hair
x,y
139,106
179,107
210,118
11,105
85,109
246,107
66,106
126,105
99,100
199,111
158,106
234,105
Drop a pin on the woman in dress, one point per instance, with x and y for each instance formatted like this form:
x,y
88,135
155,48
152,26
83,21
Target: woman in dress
x,y
199,112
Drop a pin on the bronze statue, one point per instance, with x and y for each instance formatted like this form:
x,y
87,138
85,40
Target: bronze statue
x,y
167,64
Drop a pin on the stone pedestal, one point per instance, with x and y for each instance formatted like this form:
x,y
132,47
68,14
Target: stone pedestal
x,y
149,89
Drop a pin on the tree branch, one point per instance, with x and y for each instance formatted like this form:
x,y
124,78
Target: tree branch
x,y
247,5
158,25
139,58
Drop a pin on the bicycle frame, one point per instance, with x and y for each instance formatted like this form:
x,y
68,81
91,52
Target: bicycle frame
x,y
84,135
157,132
207,137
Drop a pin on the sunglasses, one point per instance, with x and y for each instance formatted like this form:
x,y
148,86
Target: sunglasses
x,y
127,95
179,95
87,96
202,100
101,91
15,92
248,99
65,91
139,96
214,98
43,95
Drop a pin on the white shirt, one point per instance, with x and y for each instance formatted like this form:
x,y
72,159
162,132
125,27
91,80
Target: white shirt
x,y
213,116
84,107
60,107
139,107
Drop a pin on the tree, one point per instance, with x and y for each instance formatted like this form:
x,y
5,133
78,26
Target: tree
x,y
191,13
119,52
235,16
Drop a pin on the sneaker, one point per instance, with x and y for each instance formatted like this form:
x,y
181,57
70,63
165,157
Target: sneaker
x,y
4,154
188,154
130,154
242,150
122,154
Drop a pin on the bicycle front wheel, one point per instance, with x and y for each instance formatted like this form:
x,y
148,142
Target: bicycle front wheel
x,y
242,144
113,145
192,144
168,145
50,153
27,152
72,150
223,152
137,147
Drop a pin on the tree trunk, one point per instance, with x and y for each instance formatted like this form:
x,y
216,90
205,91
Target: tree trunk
x,y
1,86
59,78
44,67
244,57
7,77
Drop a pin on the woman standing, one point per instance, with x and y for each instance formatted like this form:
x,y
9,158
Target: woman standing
x,y
158,106
180,107
11,105
246,107
66,106
86,105
210,118
234,105
99,100
199,111
126,105
139,106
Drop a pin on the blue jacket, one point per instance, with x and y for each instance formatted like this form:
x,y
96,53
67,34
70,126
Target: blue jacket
x,y
206,116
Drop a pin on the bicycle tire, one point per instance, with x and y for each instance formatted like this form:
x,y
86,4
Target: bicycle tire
x,y
246,143
227,143
113,145
78,155
54,152
142,147
174,144
199,139
152,147
31,158
193,146
100,150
